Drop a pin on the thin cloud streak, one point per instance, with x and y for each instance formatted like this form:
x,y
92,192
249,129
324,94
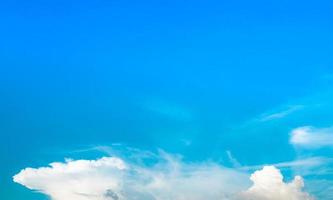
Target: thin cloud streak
x,y
281,114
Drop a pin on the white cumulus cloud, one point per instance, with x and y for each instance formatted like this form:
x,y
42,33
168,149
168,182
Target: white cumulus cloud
x,y
76,180
268,184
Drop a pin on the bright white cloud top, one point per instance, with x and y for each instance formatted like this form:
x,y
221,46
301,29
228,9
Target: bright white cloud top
x,y
111,178
268,185
310,137
77,180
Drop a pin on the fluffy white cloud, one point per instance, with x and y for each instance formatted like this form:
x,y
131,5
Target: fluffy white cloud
x,y
76,180
111,178
310,137
268,184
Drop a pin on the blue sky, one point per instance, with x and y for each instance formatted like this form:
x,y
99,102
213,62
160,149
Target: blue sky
x,y
242,84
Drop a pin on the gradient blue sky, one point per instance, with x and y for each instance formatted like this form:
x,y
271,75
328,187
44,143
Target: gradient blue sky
x,y
197,78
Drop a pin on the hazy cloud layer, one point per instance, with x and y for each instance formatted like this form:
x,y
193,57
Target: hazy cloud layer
x,y
311,137
111,178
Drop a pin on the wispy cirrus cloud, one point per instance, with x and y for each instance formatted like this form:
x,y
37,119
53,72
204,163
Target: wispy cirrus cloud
x,y
233,160
302,163
281,113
